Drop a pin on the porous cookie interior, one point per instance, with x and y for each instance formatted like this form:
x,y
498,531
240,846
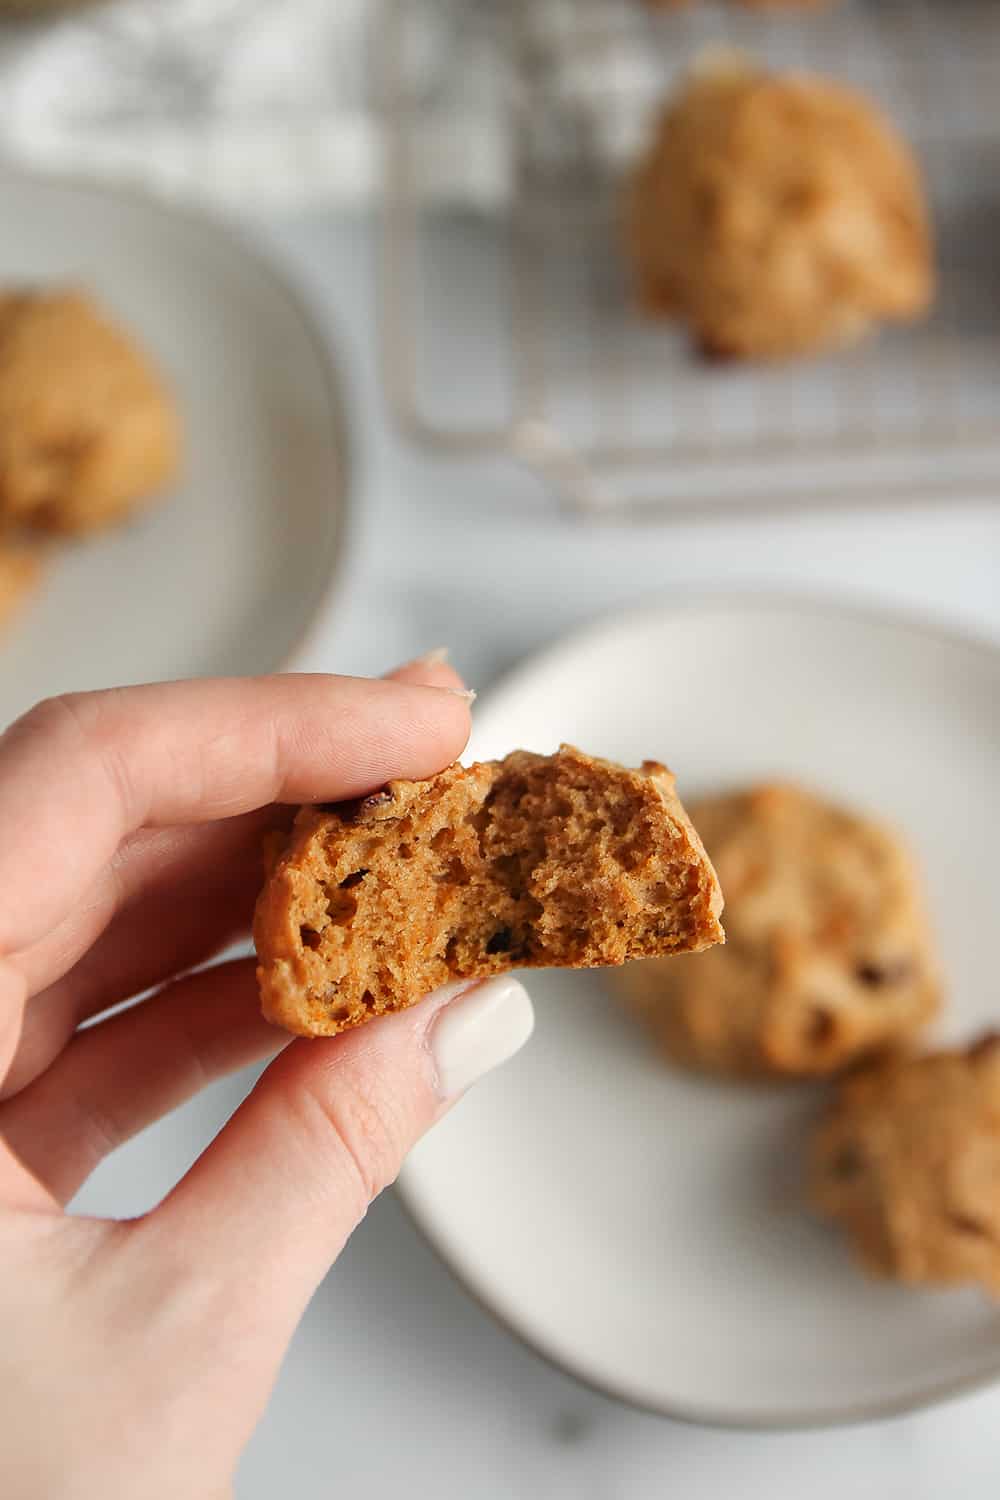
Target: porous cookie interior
x,y
531,862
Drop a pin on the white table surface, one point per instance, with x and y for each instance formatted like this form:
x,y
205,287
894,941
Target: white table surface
x,y
396,1383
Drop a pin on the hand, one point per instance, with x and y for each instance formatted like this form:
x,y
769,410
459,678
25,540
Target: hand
x,y
135,1358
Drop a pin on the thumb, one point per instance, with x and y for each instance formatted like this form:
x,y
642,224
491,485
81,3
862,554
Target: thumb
x,y
270,1203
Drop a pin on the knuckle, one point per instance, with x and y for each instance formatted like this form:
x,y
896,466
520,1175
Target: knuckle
x,y
359,1126
98,1132
67,720
77,713
86,725
52,718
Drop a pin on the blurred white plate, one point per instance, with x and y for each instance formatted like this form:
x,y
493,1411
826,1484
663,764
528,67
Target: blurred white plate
x,y
643,1228
227,573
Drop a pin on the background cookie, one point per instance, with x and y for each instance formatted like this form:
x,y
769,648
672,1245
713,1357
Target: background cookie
x,y
777,214
88,431
827,953
908,1162
21,567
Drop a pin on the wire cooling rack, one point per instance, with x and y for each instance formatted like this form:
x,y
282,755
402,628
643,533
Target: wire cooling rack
x,y
614,411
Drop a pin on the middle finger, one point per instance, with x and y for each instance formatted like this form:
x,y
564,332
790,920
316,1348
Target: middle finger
x,y
177,898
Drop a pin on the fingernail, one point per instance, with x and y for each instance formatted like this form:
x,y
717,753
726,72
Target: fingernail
x,y
432,658
468,694
479,1031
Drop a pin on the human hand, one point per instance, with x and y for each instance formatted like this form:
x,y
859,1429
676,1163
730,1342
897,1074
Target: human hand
x,y
136,1357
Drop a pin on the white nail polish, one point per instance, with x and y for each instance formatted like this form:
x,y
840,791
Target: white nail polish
x,y
432,658
479,1031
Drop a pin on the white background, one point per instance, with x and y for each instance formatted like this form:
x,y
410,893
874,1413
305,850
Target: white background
x,y
396,1383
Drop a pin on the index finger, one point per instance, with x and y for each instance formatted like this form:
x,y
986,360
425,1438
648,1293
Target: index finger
x,y
80,773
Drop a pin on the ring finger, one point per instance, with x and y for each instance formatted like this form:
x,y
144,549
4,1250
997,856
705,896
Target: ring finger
x,y
119,1076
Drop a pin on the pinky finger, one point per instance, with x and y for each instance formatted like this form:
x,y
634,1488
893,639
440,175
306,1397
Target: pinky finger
x,y
117,1077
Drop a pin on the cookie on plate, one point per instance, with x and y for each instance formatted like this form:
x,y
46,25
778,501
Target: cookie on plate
x,y
827,955
907,1161
776,214
529,862
88,430
21,566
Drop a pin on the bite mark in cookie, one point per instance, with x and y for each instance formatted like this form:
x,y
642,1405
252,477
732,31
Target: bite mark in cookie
x,y
533,861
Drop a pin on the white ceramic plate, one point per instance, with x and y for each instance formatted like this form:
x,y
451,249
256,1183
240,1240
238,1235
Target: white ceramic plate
x,y
643,1228
226,574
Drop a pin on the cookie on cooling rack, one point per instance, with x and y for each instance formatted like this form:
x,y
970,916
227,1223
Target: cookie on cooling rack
x,y
907,1161
827,954
776,214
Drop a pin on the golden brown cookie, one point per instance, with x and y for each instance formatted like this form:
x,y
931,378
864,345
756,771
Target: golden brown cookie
x,y
777,214
21,567
827,952
88,431
907,1161
528,862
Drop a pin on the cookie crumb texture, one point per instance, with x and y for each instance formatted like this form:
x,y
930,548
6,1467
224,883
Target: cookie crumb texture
x,y
828,956
530,862
907,1162
777,214
88,431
